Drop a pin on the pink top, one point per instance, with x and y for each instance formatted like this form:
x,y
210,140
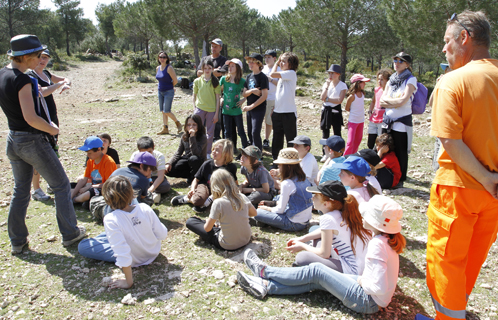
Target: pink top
x,y
378,112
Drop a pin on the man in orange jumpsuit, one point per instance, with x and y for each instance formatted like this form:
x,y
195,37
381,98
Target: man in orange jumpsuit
x,y
463,211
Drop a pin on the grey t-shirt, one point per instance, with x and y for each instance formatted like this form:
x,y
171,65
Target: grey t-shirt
x,y
258,177
235,229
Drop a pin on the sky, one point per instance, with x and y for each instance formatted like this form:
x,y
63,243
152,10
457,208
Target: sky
x,y
266,7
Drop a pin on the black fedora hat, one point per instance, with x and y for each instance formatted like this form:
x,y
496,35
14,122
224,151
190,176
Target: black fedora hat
x,y
24,44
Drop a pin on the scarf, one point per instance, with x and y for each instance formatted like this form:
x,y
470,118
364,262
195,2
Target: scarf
x,y
396,79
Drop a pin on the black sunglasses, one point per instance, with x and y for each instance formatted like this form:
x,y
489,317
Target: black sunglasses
x,y
163,57
454,18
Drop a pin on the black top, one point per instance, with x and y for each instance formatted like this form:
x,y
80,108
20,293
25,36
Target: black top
x,y
218,62
191,147
52,109
259,81
139,182
11,82
206,170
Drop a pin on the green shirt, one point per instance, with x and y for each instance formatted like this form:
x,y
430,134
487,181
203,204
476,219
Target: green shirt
x,y
206,94
231,95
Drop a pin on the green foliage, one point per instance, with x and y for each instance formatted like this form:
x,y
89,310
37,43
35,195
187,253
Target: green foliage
x,y
307,64
57,66
95,43
179,64
354,66
137,62
71,19
300,92
300,72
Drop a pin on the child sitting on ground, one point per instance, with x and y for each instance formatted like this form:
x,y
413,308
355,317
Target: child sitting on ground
x,y
259,184
106,148
334,150
373,159
132,236
221,157
340,241
160,184
99,168
353,174
293,208
366,293
232,209
388,170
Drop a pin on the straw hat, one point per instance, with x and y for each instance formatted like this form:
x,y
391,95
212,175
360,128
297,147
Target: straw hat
x,y
287,156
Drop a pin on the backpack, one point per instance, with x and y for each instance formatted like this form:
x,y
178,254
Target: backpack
x,y
97,207
419,100
185,83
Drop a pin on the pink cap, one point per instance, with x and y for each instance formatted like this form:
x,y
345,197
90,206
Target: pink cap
x,y
358,77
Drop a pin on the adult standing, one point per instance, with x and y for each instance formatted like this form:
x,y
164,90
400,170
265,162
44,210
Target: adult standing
x,y
219,70
49,83
28,146
397,99
166,76
464,199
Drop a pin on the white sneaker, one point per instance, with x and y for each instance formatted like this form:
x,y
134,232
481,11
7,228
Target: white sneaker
x,y
324,158
156,197
252,285
39,195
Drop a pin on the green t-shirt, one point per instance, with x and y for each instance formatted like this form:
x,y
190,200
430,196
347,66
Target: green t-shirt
x,y
206,94
231,95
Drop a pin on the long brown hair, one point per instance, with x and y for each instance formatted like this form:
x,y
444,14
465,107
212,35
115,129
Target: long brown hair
x,y
208,61
289,171
238,74
167,57
396,241
371,190
354,88
351,215
201,130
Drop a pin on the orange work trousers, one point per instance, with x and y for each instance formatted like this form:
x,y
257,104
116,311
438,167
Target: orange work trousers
x,y
462,227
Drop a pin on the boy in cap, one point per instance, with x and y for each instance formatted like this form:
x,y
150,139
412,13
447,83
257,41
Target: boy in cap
x,y
270,58
308,162
256,92
99,168
334,150
373,160
259,184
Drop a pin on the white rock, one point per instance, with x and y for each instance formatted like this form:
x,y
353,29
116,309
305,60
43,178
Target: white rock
x,y
85,270
149,301
218,274
106,281
486,286
266,309
15,308
52,239
129,300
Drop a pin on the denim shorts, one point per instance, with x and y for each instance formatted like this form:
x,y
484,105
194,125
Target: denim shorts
x,y
165,100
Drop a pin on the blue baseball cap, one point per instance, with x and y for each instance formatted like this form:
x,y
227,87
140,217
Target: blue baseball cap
x,y
92,142
335,143
355,165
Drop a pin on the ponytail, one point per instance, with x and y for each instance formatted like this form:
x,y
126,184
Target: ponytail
x,y
371,190
396,241
214,81
352,217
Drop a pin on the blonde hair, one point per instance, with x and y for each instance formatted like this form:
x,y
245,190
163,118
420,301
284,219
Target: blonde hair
x,y
256,61
227,150
223,184
117,192
370,188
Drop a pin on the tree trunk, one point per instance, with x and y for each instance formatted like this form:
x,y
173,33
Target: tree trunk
x,y
437,71
196,51
380,61
107,46
372,59
208,45
147,49
304,54
67,44
244,63
327,61
344,61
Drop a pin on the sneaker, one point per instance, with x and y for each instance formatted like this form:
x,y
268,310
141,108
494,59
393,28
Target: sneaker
x,y
324,158
179,200
198,209
422,317
254,263
18,249
156,197
82,234
49,190
39,195
266,144
252,285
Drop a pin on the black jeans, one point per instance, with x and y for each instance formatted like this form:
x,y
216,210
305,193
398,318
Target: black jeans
x,y
284,124
196,225
185,167
401,150
385,177
255,119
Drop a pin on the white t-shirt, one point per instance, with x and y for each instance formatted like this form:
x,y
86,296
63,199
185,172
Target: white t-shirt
x,y
361,194
381,271
334,92
135,237
160,159
273,88
405,109
310,167
341,243
288,188
357,110
286,92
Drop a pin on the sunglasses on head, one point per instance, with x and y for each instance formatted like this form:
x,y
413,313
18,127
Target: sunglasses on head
x,y
398,61
454,18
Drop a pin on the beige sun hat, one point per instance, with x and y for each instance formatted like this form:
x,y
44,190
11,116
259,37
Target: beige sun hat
x,y
382,213
288,156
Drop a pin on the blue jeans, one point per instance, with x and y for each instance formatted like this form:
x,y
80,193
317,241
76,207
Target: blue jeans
x,y
278,221
165,100
316,276
255,119
26,151
97,248
229,130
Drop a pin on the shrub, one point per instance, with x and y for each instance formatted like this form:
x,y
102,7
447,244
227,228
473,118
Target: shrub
x,y
95,43
300,93
354,66
138,62
179,64
300,72
307,64
59,67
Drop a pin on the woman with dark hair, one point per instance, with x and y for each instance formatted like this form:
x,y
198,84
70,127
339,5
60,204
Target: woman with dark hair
x,y
166,76
397,99
28,146
191,152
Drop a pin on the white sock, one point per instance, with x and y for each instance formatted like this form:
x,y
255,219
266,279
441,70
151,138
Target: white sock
x,y
208,201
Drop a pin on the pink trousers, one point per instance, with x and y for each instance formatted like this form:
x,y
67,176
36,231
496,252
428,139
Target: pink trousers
x,y
355,133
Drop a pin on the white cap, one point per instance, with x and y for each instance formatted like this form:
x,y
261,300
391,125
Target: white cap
x,y
382,213
237,61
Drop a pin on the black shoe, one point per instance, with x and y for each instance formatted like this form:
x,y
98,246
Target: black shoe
x,y
86,205
198,209
398,186
178,200
266,144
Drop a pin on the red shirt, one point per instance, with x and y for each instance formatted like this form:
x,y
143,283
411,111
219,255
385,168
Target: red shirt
x,y
392,163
